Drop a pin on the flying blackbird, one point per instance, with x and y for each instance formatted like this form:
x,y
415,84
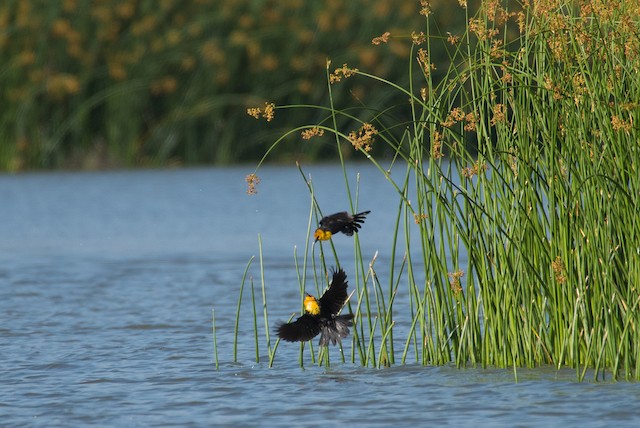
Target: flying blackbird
x,y
339,222
321,316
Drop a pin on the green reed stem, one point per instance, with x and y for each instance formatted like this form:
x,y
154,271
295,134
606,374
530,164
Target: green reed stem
x,y
275,346
215,341
370,353
264,301
235,331
255,320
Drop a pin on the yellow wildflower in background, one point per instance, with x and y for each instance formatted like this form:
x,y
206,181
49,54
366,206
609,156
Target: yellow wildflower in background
x,y
62,84
164,85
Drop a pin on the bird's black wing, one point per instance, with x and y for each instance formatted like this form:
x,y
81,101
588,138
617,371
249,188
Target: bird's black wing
x,y
343,222
336,222
359,218
354,223
336,295
304,328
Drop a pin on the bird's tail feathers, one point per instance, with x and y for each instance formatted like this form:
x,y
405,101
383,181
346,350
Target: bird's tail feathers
x,y
335,329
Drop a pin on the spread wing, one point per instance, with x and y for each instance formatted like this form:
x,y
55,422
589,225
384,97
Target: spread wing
x,y
355,223
343,222
336,222
304,328
336,295
359,218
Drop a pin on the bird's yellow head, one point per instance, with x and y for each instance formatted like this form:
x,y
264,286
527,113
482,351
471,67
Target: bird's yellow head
x,y
322,235
311,305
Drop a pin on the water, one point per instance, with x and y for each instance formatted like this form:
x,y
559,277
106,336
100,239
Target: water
x,y
108,280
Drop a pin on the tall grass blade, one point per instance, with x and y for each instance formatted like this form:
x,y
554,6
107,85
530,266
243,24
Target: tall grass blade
x,y
238,311
215,340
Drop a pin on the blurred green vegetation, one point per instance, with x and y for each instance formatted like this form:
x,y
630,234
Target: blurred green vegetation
x,y
124,83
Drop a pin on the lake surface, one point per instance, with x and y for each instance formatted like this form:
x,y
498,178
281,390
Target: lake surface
x,y
107,285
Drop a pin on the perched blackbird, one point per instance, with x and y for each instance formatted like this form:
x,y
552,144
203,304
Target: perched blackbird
x,y
339,222
321,316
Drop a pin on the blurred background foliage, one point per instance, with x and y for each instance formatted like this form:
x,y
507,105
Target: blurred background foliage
x,y
126,83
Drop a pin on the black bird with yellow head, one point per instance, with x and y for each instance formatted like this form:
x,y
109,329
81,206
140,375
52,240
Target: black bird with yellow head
x,y
321,316
339,222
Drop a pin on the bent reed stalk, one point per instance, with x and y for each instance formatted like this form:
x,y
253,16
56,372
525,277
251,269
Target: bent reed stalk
x,y
523,152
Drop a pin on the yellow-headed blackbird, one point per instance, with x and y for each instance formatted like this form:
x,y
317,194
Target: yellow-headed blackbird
x,y
339,222
321,316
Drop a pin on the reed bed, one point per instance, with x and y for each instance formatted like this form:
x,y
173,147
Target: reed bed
x,y
523,152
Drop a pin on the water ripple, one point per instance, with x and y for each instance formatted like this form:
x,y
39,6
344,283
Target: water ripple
x,y
106,319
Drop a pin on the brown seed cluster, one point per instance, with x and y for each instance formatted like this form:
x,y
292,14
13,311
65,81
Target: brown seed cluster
x,y
558,270
308,134
363,138
436,145
454,281
252,182
425,8
342,72
454,39
475,169
499,114
619,124
419,218
383,38
267,112
456,115
418,38
425,63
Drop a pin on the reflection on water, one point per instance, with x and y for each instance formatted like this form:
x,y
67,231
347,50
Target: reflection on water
x,y
107,285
